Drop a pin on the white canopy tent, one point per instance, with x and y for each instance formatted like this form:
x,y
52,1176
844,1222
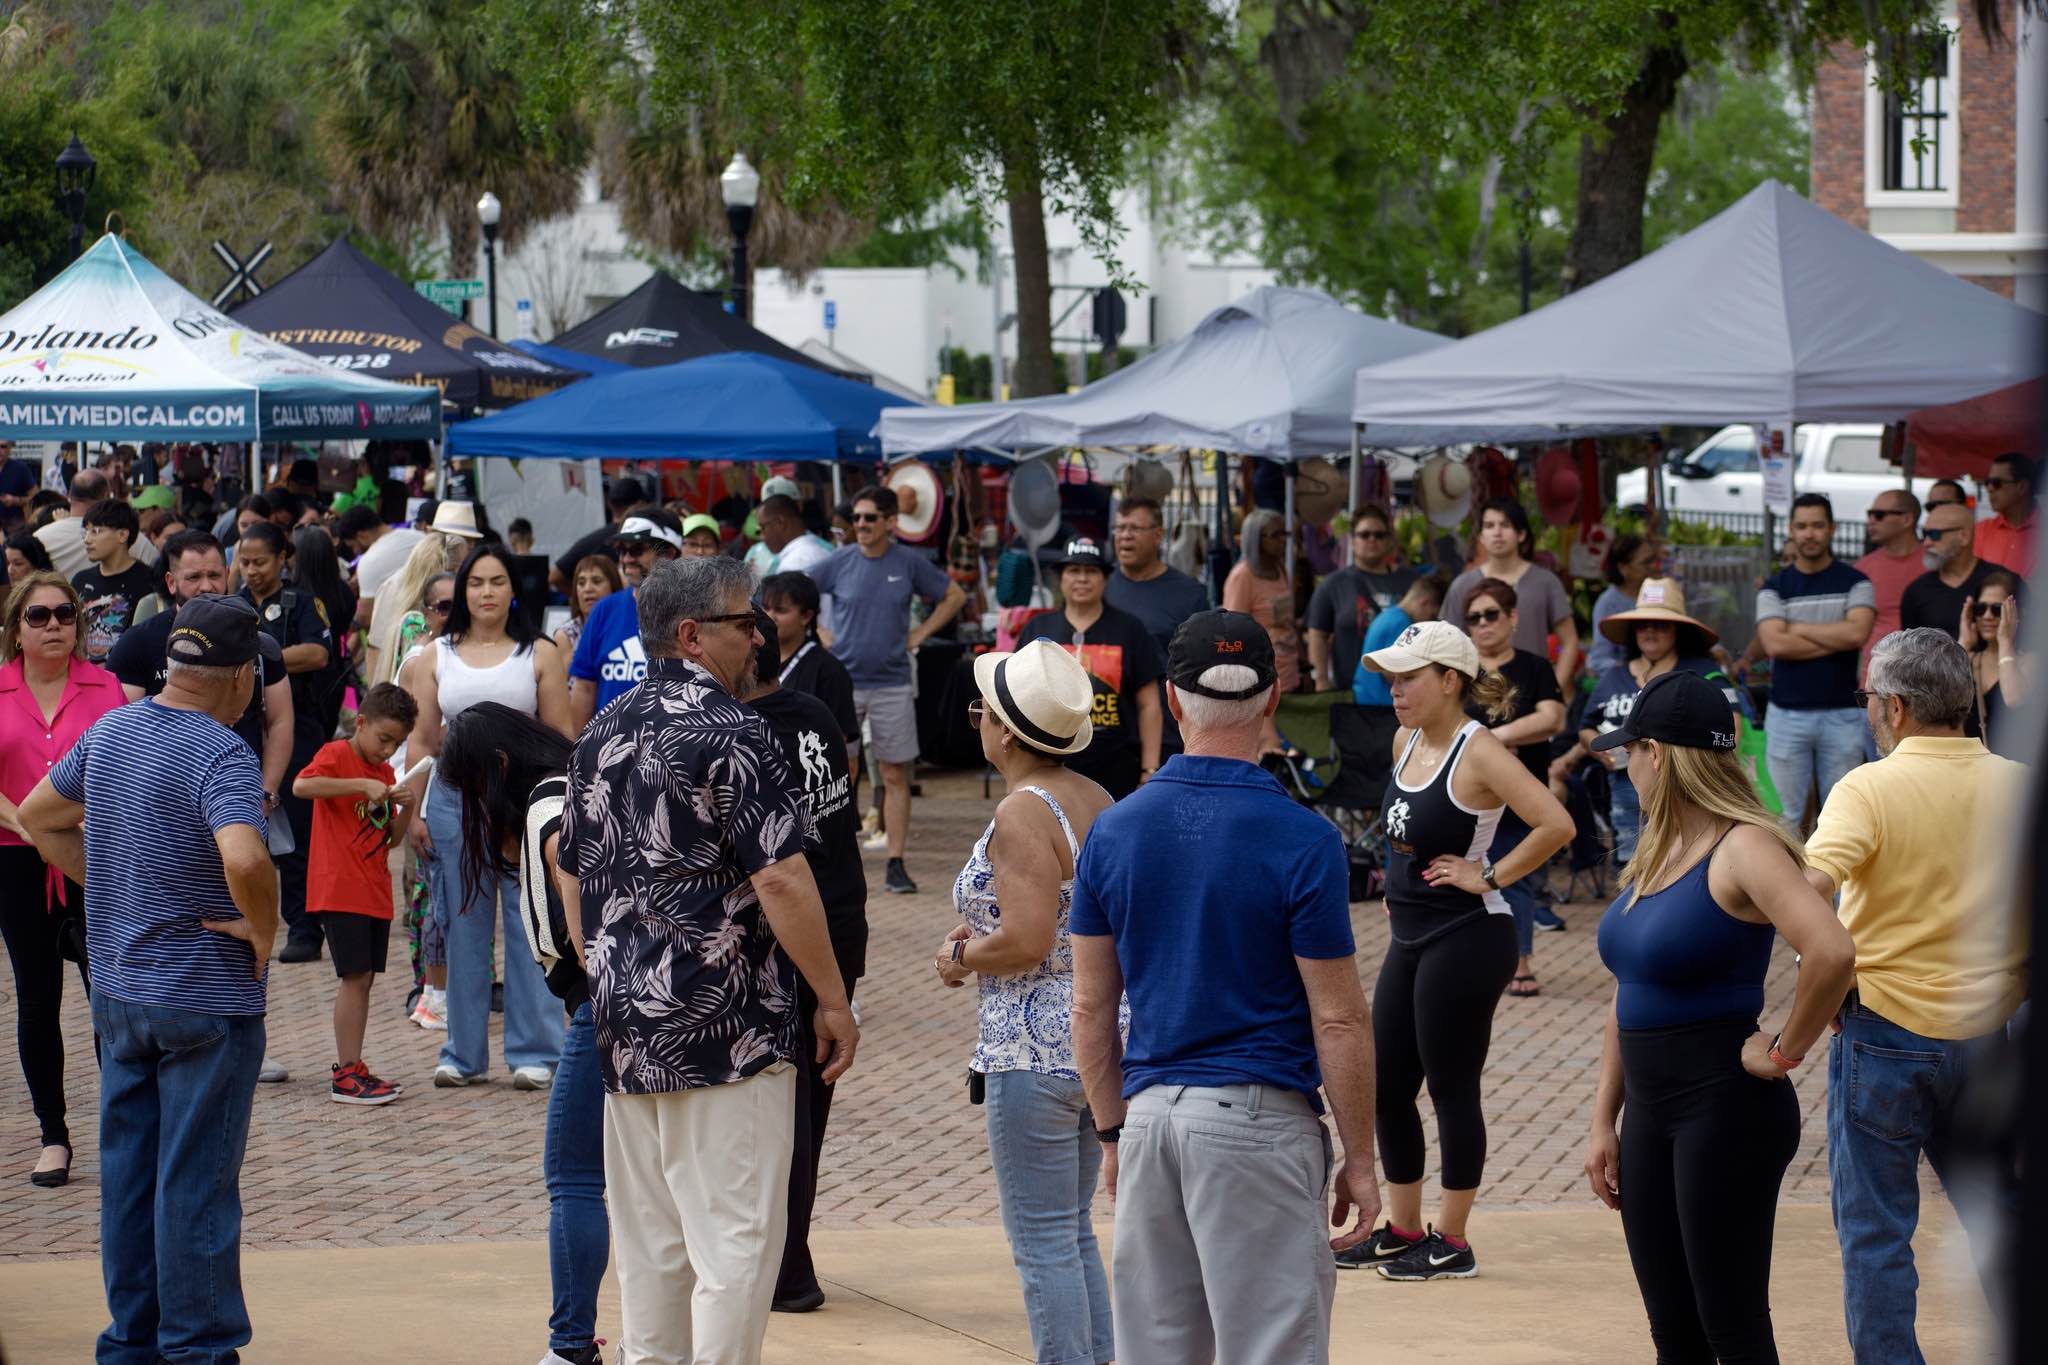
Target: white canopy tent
x,y
1774,310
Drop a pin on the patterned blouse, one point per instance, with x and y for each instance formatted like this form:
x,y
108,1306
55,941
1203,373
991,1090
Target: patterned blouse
x,y
677,796
1027,1019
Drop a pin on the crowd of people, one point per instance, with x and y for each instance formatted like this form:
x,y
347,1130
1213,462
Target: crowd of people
x,y
317,726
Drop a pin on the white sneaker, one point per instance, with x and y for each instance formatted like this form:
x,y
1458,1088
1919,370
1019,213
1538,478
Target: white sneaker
x,y
272,1073
532,1078
448,1078
430,1011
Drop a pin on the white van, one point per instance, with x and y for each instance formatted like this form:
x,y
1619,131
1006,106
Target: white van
x,y
1724,474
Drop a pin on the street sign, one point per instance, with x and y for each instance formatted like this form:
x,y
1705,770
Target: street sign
x,y
450,294
831,315
241,274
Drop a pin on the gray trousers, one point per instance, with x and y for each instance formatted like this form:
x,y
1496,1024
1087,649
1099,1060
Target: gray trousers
x,y
1221,1249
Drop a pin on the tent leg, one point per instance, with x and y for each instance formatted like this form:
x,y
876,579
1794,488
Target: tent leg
x,y
837,495
1351,510
1289,566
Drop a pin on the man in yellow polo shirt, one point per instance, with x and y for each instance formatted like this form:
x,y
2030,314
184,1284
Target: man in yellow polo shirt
x,y
1918,844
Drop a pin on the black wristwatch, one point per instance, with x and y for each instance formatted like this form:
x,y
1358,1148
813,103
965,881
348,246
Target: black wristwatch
x,y
1486,874
1110,1135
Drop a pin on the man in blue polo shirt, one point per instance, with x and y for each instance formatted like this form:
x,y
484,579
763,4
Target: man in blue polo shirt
x,y
1220,906
609,660
180,913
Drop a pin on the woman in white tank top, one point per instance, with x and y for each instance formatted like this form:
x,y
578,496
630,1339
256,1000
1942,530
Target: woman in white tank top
x,y
489,652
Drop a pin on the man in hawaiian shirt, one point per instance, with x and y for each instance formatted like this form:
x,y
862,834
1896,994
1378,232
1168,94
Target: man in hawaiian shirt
x,y
685,830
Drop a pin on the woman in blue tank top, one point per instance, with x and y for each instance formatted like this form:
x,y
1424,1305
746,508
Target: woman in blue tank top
x,y
1712,1121
1453,946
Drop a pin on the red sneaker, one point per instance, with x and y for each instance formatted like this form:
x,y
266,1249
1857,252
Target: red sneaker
x,y
353,1084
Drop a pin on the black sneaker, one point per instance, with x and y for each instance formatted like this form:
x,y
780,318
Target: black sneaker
x,y
300,948
1383,1246
897,880
1432,1259
808,1301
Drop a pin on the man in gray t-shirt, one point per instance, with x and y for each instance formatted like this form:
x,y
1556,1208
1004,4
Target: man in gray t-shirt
x,y
872,582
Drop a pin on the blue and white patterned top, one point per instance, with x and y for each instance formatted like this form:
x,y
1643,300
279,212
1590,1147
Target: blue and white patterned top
x,y
1027,1019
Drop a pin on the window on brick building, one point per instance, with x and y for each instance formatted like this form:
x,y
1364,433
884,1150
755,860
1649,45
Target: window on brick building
x,y
1916,129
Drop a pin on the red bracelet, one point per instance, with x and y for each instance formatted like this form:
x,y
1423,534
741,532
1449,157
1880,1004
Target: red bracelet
x,y
1780,1059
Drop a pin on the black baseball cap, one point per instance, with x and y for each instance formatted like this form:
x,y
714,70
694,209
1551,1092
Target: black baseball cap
x,y
1209,638
217,631
1677,708
1083,553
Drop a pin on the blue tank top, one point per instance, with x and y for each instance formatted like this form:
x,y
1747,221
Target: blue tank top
x,y
1681,959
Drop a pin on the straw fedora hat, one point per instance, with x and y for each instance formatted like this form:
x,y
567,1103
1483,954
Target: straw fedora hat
x,y
1443,489
1661,600
457,519
1320,492
1040,692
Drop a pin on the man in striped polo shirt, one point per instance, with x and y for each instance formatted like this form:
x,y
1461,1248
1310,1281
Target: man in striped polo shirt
x,y
180,912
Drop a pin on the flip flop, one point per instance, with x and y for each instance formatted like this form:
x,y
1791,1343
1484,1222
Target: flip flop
x,y
1519,990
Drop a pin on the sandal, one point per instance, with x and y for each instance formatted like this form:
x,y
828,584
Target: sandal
x,y
1523,987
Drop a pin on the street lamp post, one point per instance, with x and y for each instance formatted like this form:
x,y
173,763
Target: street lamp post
x,y
76,171
487,211
740,187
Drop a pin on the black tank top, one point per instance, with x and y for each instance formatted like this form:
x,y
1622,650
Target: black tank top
x,y
1422,824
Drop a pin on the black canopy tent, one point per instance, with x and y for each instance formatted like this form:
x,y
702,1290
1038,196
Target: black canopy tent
x,y
343,308
665,320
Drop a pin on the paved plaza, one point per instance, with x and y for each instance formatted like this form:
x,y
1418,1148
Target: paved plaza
x,y
906,1152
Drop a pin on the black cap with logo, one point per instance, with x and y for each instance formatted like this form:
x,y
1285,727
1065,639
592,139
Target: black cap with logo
x,y
1209,638
214,631
1083,553
1677,708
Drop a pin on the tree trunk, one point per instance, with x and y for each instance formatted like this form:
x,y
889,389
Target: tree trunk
x,y
1614,172
1033,375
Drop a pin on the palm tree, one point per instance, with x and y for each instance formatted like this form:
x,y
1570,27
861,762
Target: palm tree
x,y
420,122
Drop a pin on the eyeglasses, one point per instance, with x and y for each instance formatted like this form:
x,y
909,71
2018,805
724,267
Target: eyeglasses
x,y
64,613
1134,528
975,711
1990,609
862,518
731,618
1484,618
1862,697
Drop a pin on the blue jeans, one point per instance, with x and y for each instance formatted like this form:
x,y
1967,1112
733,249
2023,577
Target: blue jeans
x,y
1806,749
1892,1095
1520,895
1046,1157
1625,810
175,1089
533,1017
572,1162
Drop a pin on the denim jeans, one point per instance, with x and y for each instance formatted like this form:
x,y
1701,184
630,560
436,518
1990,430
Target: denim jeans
x,y
175,1090
1625,809
1520,895
1046,1158
1892,1095
1806,749
533,1017
572,1163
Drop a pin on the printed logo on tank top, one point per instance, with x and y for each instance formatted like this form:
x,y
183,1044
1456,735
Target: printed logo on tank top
x,y
1397,821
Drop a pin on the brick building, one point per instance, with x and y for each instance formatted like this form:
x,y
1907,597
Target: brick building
x,y
1961,180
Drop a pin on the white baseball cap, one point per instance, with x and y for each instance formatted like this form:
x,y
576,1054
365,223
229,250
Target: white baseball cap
x,y
780,484
1427,642
642,528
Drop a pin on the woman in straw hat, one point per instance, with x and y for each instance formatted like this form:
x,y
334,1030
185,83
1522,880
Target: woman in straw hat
x,y
1655,637
1014,896
1452,945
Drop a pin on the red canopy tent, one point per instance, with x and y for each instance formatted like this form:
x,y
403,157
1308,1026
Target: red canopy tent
x,y
1959,440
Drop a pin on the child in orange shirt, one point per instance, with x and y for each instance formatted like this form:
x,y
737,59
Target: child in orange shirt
x,y
359,813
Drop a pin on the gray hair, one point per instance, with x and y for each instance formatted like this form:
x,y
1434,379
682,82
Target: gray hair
x,y
203,676
1254,550
1927,671
679,590
1213,714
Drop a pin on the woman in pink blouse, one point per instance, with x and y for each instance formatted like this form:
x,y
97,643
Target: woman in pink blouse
x,y
49,696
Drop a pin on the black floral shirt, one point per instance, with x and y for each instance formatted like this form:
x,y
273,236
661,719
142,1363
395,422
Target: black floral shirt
x,y
677,796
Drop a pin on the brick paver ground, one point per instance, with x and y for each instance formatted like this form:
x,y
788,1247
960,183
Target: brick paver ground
x,y
905,1147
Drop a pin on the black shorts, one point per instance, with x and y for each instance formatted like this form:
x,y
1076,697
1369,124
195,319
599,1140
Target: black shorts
x,y
356,943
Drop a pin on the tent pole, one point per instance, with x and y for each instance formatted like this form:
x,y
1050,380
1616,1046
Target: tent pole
x,y
1291,470
1351,513
836,494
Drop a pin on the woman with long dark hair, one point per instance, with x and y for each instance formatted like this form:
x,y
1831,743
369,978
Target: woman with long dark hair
x,y
1711,1120
509,771
490,651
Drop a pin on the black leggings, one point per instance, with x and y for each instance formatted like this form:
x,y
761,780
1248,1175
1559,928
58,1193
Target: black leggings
x,y
1704,1146
1432,1020
31,927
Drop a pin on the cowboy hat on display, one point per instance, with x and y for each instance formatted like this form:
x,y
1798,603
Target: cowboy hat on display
x,y
1443,489
1319,492
1661,601
918,499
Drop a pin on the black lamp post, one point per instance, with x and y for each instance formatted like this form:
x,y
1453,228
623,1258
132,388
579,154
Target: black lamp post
x,y
76,171
740,187
487,211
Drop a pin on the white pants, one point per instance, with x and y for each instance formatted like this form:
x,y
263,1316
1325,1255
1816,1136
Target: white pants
x,y
698,1184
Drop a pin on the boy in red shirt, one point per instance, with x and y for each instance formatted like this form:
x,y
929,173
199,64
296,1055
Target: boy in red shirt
x,y
358,816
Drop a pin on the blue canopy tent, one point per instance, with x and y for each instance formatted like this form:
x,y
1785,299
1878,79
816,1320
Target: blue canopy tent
x,y
735,406
561,357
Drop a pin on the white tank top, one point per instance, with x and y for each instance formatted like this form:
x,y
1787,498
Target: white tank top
x,y
460,686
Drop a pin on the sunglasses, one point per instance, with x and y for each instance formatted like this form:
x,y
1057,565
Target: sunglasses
x,y
1947,502
861,518
1876,513
975,711
1995,482
1484,618
731,618
442,608
1933,533
1370,535
64,613
1990,609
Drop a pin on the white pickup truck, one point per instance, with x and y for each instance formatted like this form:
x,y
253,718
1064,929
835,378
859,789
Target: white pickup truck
x,y
1723,473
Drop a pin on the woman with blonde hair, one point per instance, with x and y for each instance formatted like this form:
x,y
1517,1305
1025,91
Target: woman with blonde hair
x,y
1452,948
438,553
1712,1119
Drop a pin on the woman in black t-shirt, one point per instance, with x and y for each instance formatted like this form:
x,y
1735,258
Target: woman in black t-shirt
x,y
792,599
1535,715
